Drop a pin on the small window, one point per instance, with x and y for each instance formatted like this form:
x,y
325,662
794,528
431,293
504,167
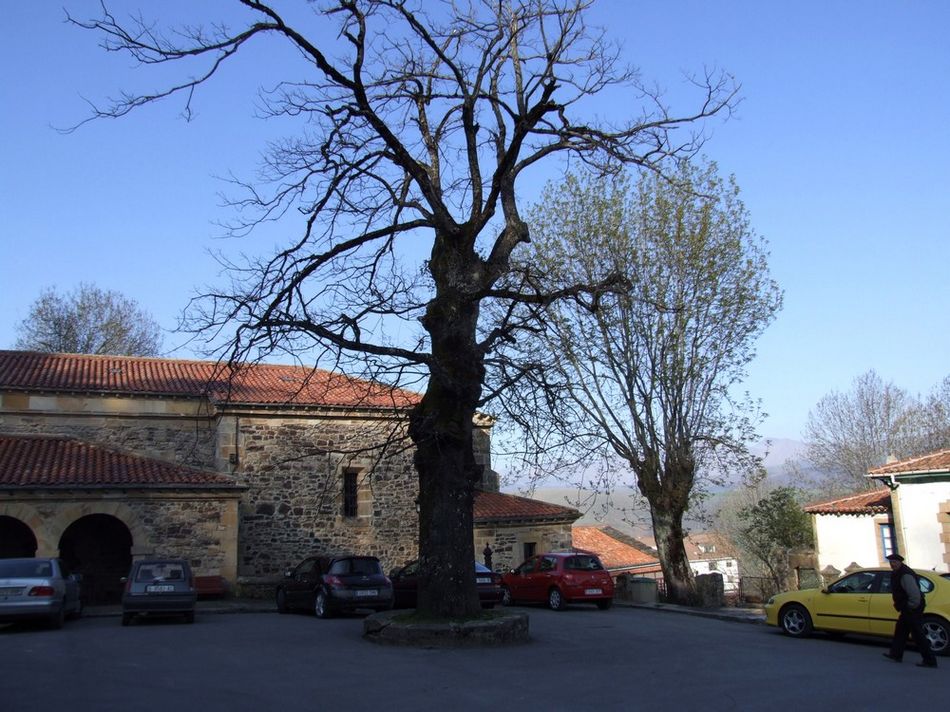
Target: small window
x,y
886,532
349,493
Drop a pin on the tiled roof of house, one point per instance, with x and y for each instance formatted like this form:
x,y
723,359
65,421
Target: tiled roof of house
x,y
38,462
701,546
933,463
500,507
876,501
246,384
614,554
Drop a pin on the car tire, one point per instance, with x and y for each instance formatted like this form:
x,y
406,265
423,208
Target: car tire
x,y
937,631
320,608
555,600
605,604
57,619
282,601
126,618
506,599
796,621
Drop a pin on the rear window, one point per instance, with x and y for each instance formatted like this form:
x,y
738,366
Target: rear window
x,y
583,563
161,571
364,566
25,569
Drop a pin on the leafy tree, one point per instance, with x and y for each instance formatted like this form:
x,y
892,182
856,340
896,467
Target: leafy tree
x,y
418,120
642,375
772,529
849,433
89,320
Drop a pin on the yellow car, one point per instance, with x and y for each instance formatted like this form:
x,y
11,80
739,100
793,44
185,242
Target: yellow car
x,y
861,602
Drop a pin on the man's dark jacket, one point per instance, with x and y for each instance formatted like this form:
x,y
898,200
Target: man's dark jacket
x,y
899,594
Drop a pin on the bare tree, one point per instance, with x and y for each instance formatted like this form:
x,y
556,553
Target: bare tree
x,y
849,433
642,377
89,320
417,122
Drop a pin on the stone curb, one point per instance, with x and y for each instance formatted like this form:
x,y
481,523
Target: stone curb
x,y
740,615
504,629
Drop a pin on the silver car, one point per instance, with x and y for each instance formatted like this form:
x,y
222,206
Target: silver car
x,y
159,587
39,589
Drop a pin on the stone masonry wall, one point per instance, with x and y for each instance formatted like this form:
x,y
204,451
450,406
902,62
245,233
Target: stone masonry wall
x,y
507,543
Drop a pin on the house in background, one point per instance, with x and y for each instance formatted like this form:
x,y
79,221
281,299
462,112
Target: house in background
x,y
616,552
856,529
920,504
243,470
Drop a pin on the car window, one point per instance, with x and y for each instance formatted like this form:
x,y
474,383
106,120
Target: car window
x,y
161,571
306,567
926,586
583,563
548,563
14,568
362,565
481,568
410,569
527,567
861,582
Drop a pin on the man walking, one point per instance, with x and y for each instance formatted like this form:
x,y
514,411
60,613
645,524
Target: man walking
x,y
909,603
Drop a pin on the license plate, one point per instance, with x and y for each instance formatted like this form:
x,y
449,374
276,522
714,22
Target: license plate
x,y
369,592
483,580
10,590
159,588
593,591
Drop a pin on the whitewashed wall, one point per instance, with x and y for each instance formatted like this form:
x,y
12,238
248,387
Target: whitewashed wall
x,y
845,538
920,507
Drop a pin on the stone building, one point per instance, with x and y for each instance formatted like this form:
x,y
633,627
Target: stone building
x,y
242,470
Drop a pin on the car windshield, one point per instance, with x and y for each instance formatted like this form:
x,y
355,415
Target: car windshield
x,y
583,563
362,565
15,568
161,571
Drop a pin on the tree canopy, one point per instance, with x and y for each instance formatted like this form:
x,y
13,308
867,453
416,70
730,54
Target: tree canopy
x,y
89,320
642,374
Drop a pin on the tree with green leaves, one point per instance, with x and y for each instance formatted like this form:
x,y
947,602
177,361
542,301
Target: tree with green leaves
x,y
414,125
639,380
89,320
773,528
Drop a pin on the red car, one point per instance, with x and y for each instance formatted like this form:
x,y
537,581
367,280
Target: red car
x,y
558,579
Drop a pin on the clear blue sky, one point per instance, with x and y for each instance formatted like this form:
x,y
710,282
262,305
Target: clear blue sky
x,y
841,147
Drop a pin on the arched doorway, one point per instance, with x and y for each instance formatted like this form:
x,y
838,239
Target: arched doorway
x,y
98,546
16,539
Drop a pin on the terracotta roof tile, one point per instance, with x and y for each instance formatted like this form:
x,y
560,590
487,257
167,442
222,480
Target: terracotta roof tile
x,y
246,384
934,462
496,506
874,502
36,462
614,554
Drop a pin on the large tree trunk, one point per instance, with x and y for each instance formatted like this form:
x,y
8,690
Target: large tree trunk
x,y
441,428
668,531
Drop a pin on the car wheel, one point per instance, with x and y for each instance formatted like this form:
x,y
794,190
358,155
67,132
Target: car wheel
x,y
605,604
320,608
506,599
555,600
938,633
796,621
282,601
126,618
57,619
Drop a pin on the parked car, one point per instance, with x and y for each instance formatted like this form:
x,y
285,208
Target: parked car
x,y
861,602
559,578
406,585
334,584
159,587
39,589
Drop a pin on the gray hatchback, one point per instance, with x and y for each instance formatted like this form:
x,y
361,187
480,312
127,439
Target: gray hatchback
x,y
41,589
159,587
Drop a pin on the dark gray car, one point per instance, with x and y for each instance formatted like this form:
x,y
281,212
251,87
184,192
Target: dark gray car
x,y
332,584
42,589
159,587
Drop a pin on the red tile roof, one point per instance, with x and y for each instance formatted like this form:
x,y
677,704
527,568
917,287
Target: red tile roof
x,y
37,462
499,507
935,462
246,384
874,502
614,553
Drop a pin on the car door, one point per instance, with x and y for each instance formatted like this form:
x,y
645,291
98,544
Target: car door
x,y
299,588
845,604
544,578
881,613
519,583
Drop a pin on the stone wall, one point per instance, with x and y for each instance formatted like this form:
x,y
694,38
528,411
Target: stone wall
x,y
508,542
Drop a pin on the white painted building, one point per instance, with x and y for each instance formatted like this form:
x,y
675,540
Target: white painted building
x,y
857,529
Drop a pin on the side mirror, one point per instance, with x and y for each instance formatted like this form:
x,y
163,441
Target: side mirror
x,y
124,579
288,574
825,590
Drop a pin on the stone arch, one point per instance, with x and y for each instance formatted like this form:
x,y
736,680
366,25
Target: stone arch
x,y
31,519
98,546
16,539
123,512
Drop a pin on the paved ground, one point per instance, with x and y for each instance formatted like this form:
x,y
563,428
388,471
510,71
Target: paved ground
x,y
580,659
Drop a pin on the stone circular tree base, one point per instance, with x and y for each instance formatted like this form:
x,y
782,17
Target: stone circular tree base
x,y
502,629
